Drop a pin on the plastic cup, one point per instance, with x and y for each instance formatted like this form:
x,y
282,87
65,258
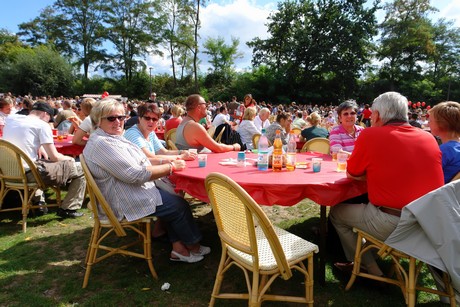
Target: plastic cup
x,y
316,164
202,159
241,158
342,158
60,135
334,150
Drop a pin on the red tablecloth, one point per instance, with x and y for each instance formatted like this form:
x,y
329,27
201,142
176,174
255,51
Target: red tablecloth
x,y
66,147
326,188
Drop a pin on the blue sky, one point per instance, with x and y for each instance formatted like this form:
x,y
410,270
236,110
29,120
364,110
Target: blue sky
x,y
243,19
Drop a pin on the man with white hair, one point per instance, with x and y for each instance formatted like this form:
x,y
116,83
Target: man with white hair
x,y
388,156
261,120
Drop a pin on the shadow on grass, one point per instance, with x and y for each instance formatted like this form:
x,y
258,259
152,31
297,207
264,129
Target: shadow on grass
x,y
44,267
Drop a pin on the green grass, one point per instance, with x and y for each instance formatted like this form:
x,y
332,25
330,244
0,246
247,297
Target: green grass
x,y
44,267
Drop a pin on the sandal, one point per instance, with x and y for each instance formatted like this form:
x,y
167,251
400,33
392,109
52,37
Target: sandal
x,y
188,259
203,251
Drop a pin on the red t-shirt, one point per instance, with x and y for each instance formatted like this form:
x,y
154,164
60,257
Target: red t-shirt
x,y
401,163
367,113
172,123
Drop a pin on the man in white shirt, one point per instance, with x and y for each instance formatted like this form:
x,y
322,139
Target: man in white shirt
x,y
33,132
261,120
222,118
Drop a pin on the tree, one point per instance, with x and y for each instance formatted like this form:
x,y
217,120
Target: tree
x,y
84,29
132,28
223,56
38,71
47,29
322,45
406,40
177,35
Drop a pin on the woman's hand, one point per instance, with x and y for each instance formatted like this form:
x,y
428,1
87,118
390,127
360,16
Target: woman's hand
x,y
179,165
188,156
75,121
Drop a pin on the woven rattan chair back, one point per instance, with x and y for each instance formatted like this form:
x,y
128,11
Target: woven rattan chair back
x,y
171,135
103,228
251,242
317,145
14,165
211,130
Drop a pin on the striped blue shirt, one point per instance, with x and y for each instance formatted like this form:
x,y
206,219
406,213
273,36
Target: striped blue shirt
x,y
135,136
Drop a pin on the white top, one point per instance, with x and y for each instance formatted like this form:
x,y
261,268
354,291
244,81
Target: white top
x,y
247,129
86,125
220,119
258,123
28,133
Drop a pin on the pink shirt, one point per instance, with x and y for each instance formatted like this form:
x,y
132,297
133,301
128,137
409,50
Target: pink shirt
x,y
339,136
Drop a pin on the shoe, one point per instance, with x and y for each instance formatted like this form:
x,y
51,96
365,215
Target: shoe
x,y
188,259
42,210
66,213
347,267
203,251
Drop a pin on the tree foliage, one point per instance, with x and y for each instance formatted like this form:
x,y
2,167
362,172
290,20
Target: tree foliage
x,y
39,71
321,45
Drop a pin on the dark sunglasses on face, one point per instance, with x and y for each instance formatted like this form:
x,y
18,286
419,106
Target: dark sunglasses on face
x,y
147,118
113,118
351,113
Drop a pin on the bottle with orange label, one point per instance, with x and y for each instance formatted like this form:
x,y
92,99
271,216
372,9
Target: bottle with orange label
x,y
277,160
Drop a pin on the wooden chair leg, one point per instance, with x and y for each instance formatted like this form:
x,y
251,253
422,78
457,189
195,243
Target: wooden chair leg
x,y
93,246
148,248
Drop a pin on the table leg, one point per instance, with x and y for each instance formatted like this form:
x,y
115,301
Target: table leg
x,y
322,245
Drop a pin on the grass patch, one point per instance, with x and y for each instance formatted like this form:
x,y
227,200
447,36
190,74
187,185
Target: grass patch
x,y
45,267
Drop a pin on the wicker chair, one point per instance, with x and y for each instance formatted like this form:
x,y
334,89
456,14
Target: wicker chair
x,y
253,244
255,140
406,279
13,178
317,145
211,131
170,136
103,228
297,131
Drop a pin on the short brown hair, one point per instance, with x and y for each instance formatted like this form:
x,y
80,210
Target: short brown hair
x,y
447,116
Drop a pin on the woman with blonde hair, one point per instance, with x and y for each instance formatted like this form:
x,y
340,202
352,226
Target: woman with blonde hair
x,y
177,111
313,131
247,128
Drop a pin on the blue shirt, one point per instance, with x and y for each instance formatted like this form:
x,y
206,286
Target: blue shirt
x,y
450,159
135,136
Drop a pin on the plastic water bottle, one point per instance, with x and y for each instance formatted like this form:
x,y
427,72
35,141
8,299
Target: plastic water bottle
x,y
277,163
291,152
262,157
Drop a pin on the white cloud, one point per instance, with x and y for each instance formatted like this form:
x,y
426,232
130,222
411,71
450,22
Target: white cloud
x,y
451,11
242,19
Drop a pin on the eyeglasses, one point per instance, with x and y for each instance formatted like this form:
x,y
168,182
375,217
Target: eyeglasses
x,y
351,113
147,118
113,118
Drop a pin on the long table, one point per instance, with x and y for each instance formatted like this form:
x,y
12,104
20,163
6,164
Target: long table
x,y
327,188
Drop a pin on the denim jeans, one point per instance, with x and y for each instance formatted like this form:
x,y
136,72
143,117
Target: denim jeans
x,y
176,213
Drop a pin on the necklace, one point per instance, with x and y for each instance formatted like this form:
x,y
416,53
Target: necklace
x,y
191,118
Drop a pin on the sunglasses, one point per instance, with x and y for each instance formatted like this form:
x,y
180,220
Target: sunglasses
x,y
351,113
147,118
113,118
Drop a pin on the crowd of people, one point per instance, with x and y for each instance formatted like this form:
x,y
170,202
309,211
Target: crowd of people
x,y
131,165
